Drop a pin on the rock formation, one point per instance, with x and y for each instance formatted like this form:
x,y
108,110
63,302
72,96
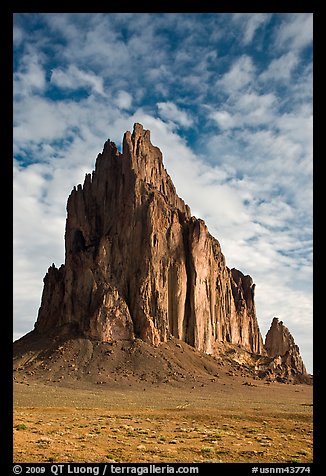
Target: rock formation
x,y
280,345
137,264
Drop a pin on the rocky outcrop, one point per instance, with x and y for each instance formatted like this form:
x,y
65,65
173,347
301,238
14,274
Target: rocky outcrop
x,y
138,264
280,345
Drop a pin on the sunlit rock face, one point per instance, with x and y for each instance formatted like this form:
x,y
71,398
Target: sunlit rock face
x,y
137,264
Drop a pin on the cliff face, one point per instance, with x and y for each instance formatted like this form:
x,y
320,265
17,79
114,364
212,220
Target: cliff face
x,y
138,264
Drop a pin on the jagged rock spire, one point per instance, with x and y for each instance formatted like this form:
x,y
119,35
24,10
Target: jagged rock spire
x,y
279,344
138,264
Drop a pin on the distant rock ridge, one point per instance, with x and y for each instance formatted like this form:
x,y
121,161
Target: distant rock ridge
x,y
137,264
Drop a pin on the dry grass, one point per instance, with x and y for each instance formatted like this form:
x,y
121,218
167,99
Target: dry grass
x,y
221,422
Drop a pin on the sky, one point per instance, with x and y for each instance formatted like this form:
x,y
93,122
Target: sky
x,y
228,100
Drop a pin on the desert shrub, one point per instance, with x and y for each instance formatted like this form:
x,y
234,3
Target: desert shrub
x,y
207,449
21,426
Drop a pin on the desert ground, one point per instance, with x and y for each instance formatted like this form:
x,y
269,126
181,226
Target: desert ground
x,y
228,418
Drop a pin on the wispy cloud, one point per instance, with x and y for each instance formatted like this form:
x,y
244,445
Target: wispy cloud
x,y
239,76
246,110
224,119
280,69
17,36
171,112
123,100
31,76
295,32
75,78
249,23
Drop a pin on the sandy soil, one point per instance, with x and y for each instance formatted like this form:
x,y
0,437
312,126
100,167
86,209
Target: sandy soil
x,y
224,421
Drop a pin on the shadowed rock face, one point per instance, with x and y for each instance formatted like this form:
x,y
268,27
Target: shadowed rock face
x,y
138,264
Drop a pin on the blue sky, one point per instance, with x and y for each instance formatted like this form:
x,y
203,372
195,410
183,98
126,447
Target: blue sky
x,y
228,99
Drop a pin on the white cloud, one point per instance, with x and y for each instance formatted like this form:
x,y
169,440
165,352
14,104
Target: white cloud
x,y
123,100
246,109
74,78
17,35
298,126
295,32
38,239
250,102
223,119
239,76
38,120
250,23
170,112
31,77
280,69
